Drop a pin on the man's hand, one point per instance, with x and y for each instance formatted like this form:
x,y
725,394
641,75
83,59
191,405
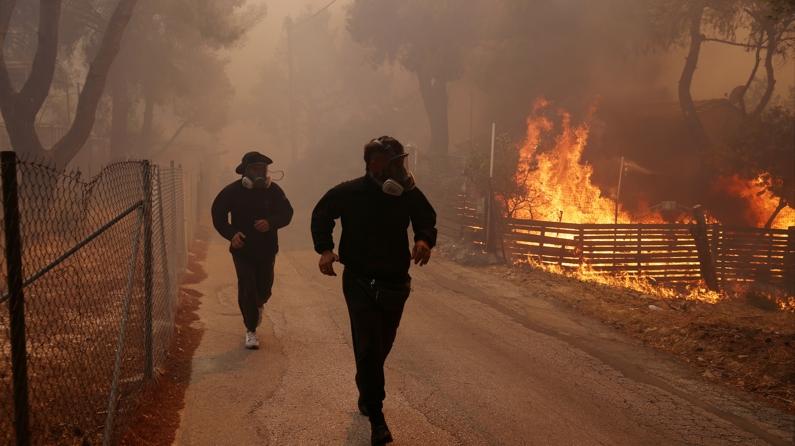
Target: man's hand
x,y
421,253
262,225
238,240
326,264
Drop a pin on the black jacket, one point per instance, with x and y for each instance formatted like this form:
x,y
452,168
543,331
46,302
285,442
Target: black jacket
x,y
374,241
246,206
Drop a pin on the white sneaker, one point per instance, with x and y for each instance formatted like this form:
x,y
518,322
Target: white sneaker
x,y
251,340
259,316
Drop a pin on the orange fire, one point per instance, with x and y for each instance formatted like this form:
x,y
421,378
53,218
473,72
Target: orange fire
x,y
642,285
558,182
559,188
761,203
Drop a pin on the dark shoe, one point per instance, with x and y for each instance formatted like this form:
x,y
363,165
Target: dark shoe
x,y
363,409
380,434
380,431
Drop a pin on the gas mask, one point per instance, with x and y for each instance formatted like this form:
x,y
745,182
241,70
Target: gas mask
x,y
396,178
256,177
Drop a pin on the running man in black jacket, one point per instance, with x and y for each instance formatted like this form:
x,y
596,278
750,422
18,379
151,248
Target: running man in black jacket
x,y
258,208
375,211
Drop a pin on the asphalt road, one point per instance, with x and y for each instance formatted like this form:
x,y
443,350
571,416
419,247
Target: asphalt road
x,y
478,360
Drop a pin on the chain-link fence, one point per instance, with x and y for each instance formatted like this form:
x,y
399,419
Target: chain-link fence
x,y
90,282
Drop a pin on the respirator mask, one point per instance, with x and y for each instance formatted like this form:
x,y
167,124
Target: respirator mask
x,y
395,178
398,178
256,176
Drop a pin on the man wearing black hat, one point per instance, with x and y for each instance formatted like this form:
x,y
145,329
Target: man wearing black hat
x,y
375,211
258,208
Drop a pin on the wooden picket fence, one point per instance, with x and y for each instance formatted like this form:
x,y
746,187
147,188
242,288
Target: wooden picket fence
x,y
459,218
669,253
755,254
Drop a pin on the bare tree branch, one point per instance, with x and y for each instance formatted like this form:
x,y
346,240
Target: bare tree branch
x,y
782,203
731,42
37,87
85,115
686,102
772,47
752,76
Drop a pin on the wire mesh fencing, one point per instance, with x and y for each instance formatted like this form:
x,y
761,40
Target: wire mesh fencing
x,y
88,312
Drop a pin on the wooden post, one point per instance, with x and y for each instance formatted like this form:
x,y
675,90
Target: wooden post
x,y
707,264
717,251
640,243
618,188
789,261
541,245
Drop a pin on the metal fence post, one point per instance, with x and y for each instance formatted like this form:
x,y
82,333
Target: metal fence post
x,y
148,283
174,228
198,191
180,207
167,268
16,303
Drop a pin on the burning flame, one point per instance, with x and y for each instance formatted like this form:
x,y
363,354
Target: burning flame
x,y
558,183
558,187
786,303
761,203
640,284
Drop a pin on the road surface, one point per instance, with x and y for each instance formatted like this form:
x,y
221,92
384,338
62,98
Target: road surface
x,y
478,360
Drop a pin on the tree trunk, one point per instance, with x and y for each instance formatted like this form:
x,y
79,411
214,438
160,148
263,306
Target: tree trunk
x,y
23,138
757,60
782,203
686,103
120,116
20,109
434,97
146,127
69,146
772,47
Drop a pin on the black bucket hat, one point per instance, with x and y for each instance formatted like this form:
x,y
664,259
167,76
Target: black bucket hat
x,y
250,158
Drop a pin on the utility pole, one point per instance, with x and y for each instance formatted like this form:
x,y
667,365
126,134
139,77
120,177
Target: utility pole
x,y
290,26
471,142
490,196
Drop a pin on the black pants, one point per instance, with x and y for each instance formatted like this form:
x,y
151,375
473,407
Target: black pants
x,y
375,309
254,283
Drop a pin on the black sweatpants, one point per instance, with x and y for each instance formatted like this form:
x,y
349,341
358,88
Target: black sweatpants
x,y
254,283
375,309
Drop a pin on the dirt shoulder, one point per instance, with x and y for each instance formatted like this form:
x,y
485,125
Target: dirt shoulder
x,y
739,342
156,419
